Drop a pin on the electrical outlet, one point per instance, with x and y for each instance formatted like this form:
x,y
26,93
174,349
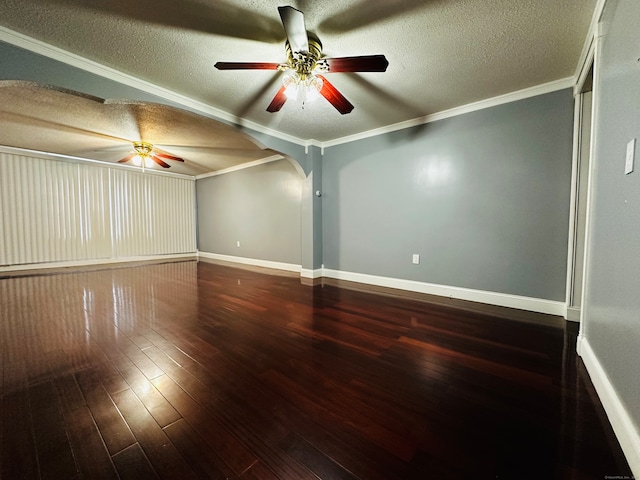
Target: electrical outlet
x,y
238,243
416,258
631,150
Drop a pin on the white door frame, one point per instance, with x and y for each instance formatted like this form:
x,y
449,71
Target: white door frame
x,y
574,312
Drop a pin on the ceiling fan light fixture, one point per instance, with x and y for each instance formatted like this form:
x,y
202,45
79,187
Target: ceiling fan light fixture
x,y
307,89
312,90
142,157
291,82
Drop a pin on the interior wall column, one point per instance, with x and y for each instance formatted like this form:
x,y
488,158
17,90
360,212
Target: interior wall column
x,y
311,211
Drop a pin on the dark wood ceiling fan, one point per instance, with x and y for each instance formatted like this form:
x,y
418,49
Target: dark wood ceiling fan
x,y
306,65
145,153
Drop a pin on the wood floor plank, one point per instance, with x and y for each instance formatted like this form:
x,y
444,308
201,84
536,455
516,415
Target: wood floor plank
x,y
339,441
132,464
314,459
394,443
110,378
69,393
203,460
259,471
223,442
274,458
157,405
162,454
55,458
249,410
342,392
137,356
89,450
198,388
18,453
14,375
114,430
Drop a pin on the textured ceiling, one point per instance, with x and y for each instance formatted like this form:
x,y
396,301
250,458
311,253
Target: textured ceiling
x,y
65,122
442,53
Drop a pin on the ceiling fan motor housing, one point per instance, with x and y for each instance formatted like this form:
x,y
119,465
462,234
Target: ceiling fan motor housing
x,y
143,148
304,63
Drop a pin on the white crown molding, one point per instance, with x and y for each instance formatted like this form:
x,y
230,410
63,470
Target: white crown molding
x,y
312,142
98,163
55,53
30,267
492,298
289,267
255,163
454,112
622,423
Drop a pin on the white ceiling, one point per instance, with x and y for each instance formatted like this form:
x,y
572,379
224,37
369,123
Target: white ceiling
x,y
442,53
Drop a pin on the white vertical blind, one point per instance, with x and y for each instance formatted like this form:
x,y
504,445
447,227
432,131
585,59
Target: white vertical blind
x,y
172,220
95,211
55,211
130,224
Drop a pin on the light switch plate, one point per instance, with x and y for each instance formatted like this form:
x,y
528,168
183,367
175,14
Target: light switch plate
x,y
631,150
416,259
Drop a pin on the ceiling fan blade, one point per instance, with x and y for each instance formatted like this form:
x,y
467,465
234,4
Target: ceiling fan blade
x,y
335,98
168,156
127,158
365,63
158,161
293,22
278,101
247,66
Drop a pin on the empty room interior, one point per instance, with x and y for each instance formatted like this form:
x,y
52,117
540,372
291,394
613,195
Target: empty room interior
x,y
321,240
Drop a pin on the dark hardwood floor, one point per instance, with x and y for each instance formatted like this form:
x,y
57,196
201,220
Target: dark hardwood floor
x,y
194,370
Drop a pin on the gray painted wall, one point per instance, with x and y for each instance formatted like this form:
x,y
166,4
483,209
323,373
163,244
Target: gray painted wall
x,y
612,297
258,206
482,197
316,186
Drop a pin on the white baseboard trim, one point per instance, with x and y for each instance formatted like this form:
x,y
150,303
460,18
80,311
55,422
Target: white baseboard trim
x,y
92,262
579,344
573,314
308,273
500,299
289,267
623,426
